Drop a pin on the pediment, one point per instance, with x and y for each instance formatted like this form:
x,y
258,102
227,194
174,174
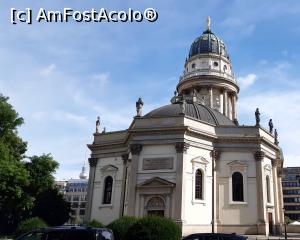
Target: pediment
x,y
156,182
200,160
109,168
237,163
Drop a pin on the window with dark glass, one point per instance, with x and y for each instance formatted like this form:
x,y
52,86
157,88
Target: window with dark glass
x,y
237,187
108,183
198,185
268,189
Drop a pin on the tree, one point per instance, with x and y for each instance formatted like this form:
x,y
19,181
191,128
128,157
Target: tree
x,y
13,175
11,145
21,182
41,169
51,206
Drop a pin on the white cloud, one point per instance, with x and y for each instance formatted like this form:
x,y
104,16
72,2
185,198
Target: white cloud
x,y
58,115
247,81
71,117
101,78
48,70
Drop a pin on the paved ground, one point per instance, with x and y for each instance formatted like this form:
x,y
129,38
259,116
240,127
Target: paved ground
x,y
290,236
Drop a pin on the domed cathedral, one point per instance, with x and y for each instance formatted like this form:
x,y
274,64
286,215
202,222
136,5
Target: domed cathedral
x,y
190,160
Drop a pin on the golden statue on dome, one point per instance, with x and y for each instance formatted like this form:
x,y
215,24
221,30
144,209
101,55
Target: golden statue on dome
x,y
208,23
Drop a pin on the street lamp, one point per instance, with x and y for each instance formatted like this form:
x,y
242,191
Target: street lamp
x,y
285,235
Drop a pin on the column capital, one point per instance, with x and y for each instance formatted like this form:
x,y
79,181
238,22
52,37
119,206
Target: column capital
x,y
93,162
275,162
136,149
181,147
215,154
125,158
259,155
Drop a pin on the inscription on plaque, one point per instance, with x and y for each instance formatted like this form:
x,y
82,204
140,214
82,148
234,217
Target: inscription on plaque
x,y
158,163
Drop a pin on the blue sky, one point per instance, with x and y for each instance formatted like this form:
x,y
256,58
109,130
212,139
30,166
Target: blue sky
x,y
61,76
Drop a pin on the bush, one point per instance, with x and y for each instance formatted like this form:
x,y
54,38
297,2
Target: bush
x,y
121,226
154,228
94,223
30,224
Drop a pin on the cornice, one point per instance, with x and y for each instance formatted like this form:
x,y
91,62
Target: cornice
x,y
93,162
136,149
259,155
181,147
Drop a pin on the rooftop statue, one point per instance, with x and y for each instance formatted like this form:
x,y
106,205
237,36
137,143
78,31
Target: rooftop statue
x,y
271,126
257,117
139,105
97,124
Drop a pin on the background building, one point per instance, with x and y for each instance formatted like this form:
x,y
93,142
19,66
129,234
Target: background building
x,y
61,185
75,192
291,192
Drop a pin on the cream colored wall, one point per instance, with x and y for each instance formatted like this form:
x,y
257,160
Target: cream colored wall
x,y
197,212
107,213
245,213
208,63
157,151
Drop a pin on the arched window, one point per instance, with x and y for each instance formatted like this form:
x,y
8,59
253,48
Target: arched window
x,y
237,187
198,184
268,189
108,184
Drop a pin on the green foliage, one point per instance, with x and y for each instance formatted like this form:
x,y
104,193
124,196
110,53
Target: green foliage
x,y
9,139
94,223
121,226
41,169
21,182
52,207
154,228
13,175
30,224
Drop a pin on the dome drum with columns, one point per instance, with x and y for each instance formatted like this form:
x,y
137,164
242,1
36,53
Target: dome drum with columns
x,y
208,75
191,157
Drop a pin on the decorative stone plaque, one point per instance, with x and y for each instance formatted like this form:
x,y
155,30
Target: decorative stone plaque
x,y
158,163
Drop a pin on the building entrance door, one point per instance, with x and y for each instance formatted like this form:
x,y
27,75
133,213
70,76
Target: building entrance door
x,y
156,206
160,213
270,217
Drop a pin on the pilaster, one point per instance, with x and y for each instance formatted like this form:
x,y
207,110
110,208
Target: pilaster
x,y
276,196
215,156
179,211
261,210
124,184
93,164
135,151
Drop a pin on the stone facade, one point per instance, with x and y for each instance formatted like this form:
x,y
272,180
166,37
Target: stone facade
x,y
190,161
